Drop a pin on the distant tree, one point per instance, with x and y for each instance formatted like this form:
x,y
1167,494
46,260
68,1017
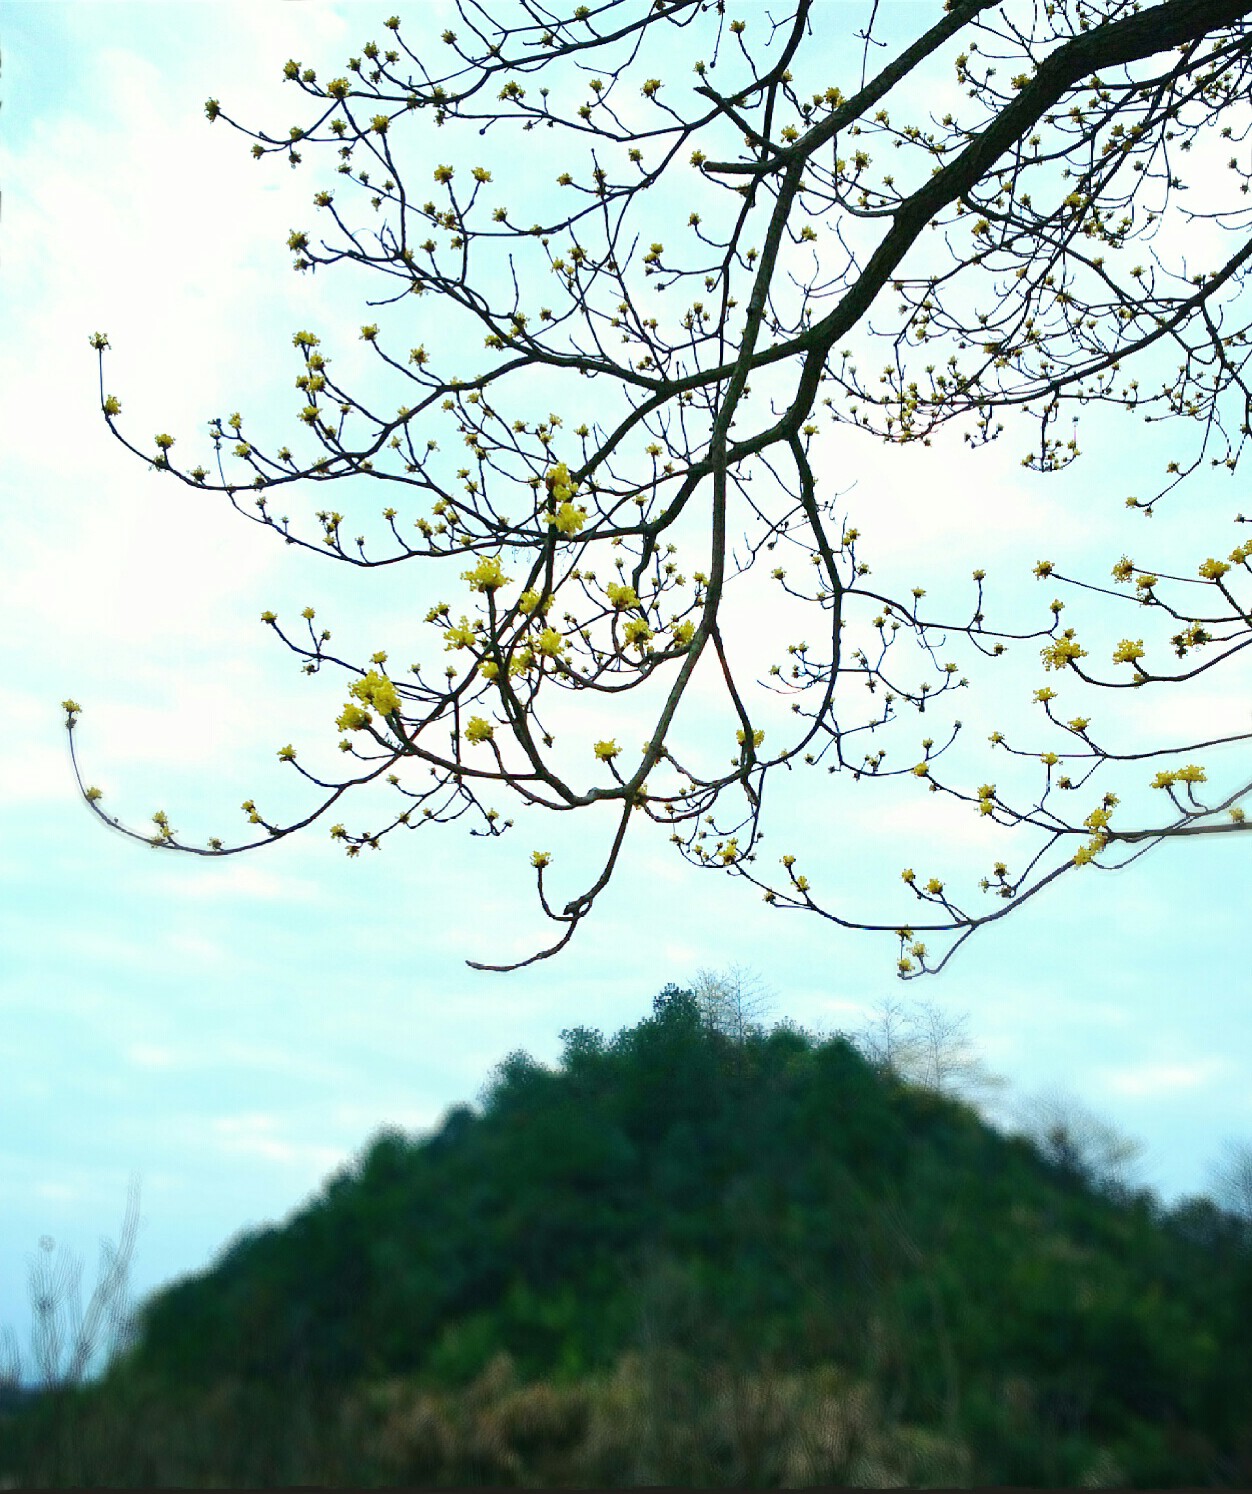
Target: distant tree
x,y
732,1001
606,415
1205,1223
887,1041
1232,1181
1078,1142
56,1298
928,1047
672,1001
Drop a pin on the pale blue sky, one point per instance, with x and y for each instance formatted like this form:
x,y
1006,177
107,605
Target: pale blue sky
x,y
233,1031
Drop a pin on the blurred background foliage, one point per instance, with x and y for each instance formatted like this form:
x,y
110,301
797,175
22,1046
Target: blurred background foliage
x,y
700,1251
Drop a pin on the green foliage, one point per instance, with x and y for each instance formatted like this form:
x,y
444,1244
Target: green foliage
x,y
675,1204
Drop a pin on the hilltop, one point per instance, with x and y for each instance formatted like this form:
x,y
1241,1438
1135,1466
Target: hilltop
x,y
689,1256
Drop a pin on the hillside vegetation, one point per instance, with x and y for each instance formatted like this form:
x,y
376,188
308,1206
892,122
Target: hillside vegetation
x,y
693,1258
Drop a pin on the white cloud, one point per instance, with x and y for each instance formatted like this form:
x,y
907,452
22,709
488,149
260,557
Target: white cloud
x,y
253,1134
1148,1079
237,879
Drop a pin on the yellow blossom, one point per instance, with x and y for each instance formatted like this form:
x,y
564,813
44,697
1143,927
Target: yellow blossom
x,y
934,886
607,750
540,859
478,730
1062,651
559,483
461,636
1128,650
621,595
486,575
758,737
377,690
353,718
550,643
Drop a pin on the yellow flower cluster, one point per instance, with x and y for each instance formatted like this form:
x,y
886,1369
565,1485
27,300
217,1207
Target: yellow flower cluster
x,y
486,575
1192,773
1090,851
353,718
568,519
377,690
461,636
1062,651
607,750
479,730
565,515
621,595
758,737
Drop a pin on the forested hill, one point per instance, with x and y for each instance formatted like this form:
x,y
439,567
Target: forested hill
x,y
771,1200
